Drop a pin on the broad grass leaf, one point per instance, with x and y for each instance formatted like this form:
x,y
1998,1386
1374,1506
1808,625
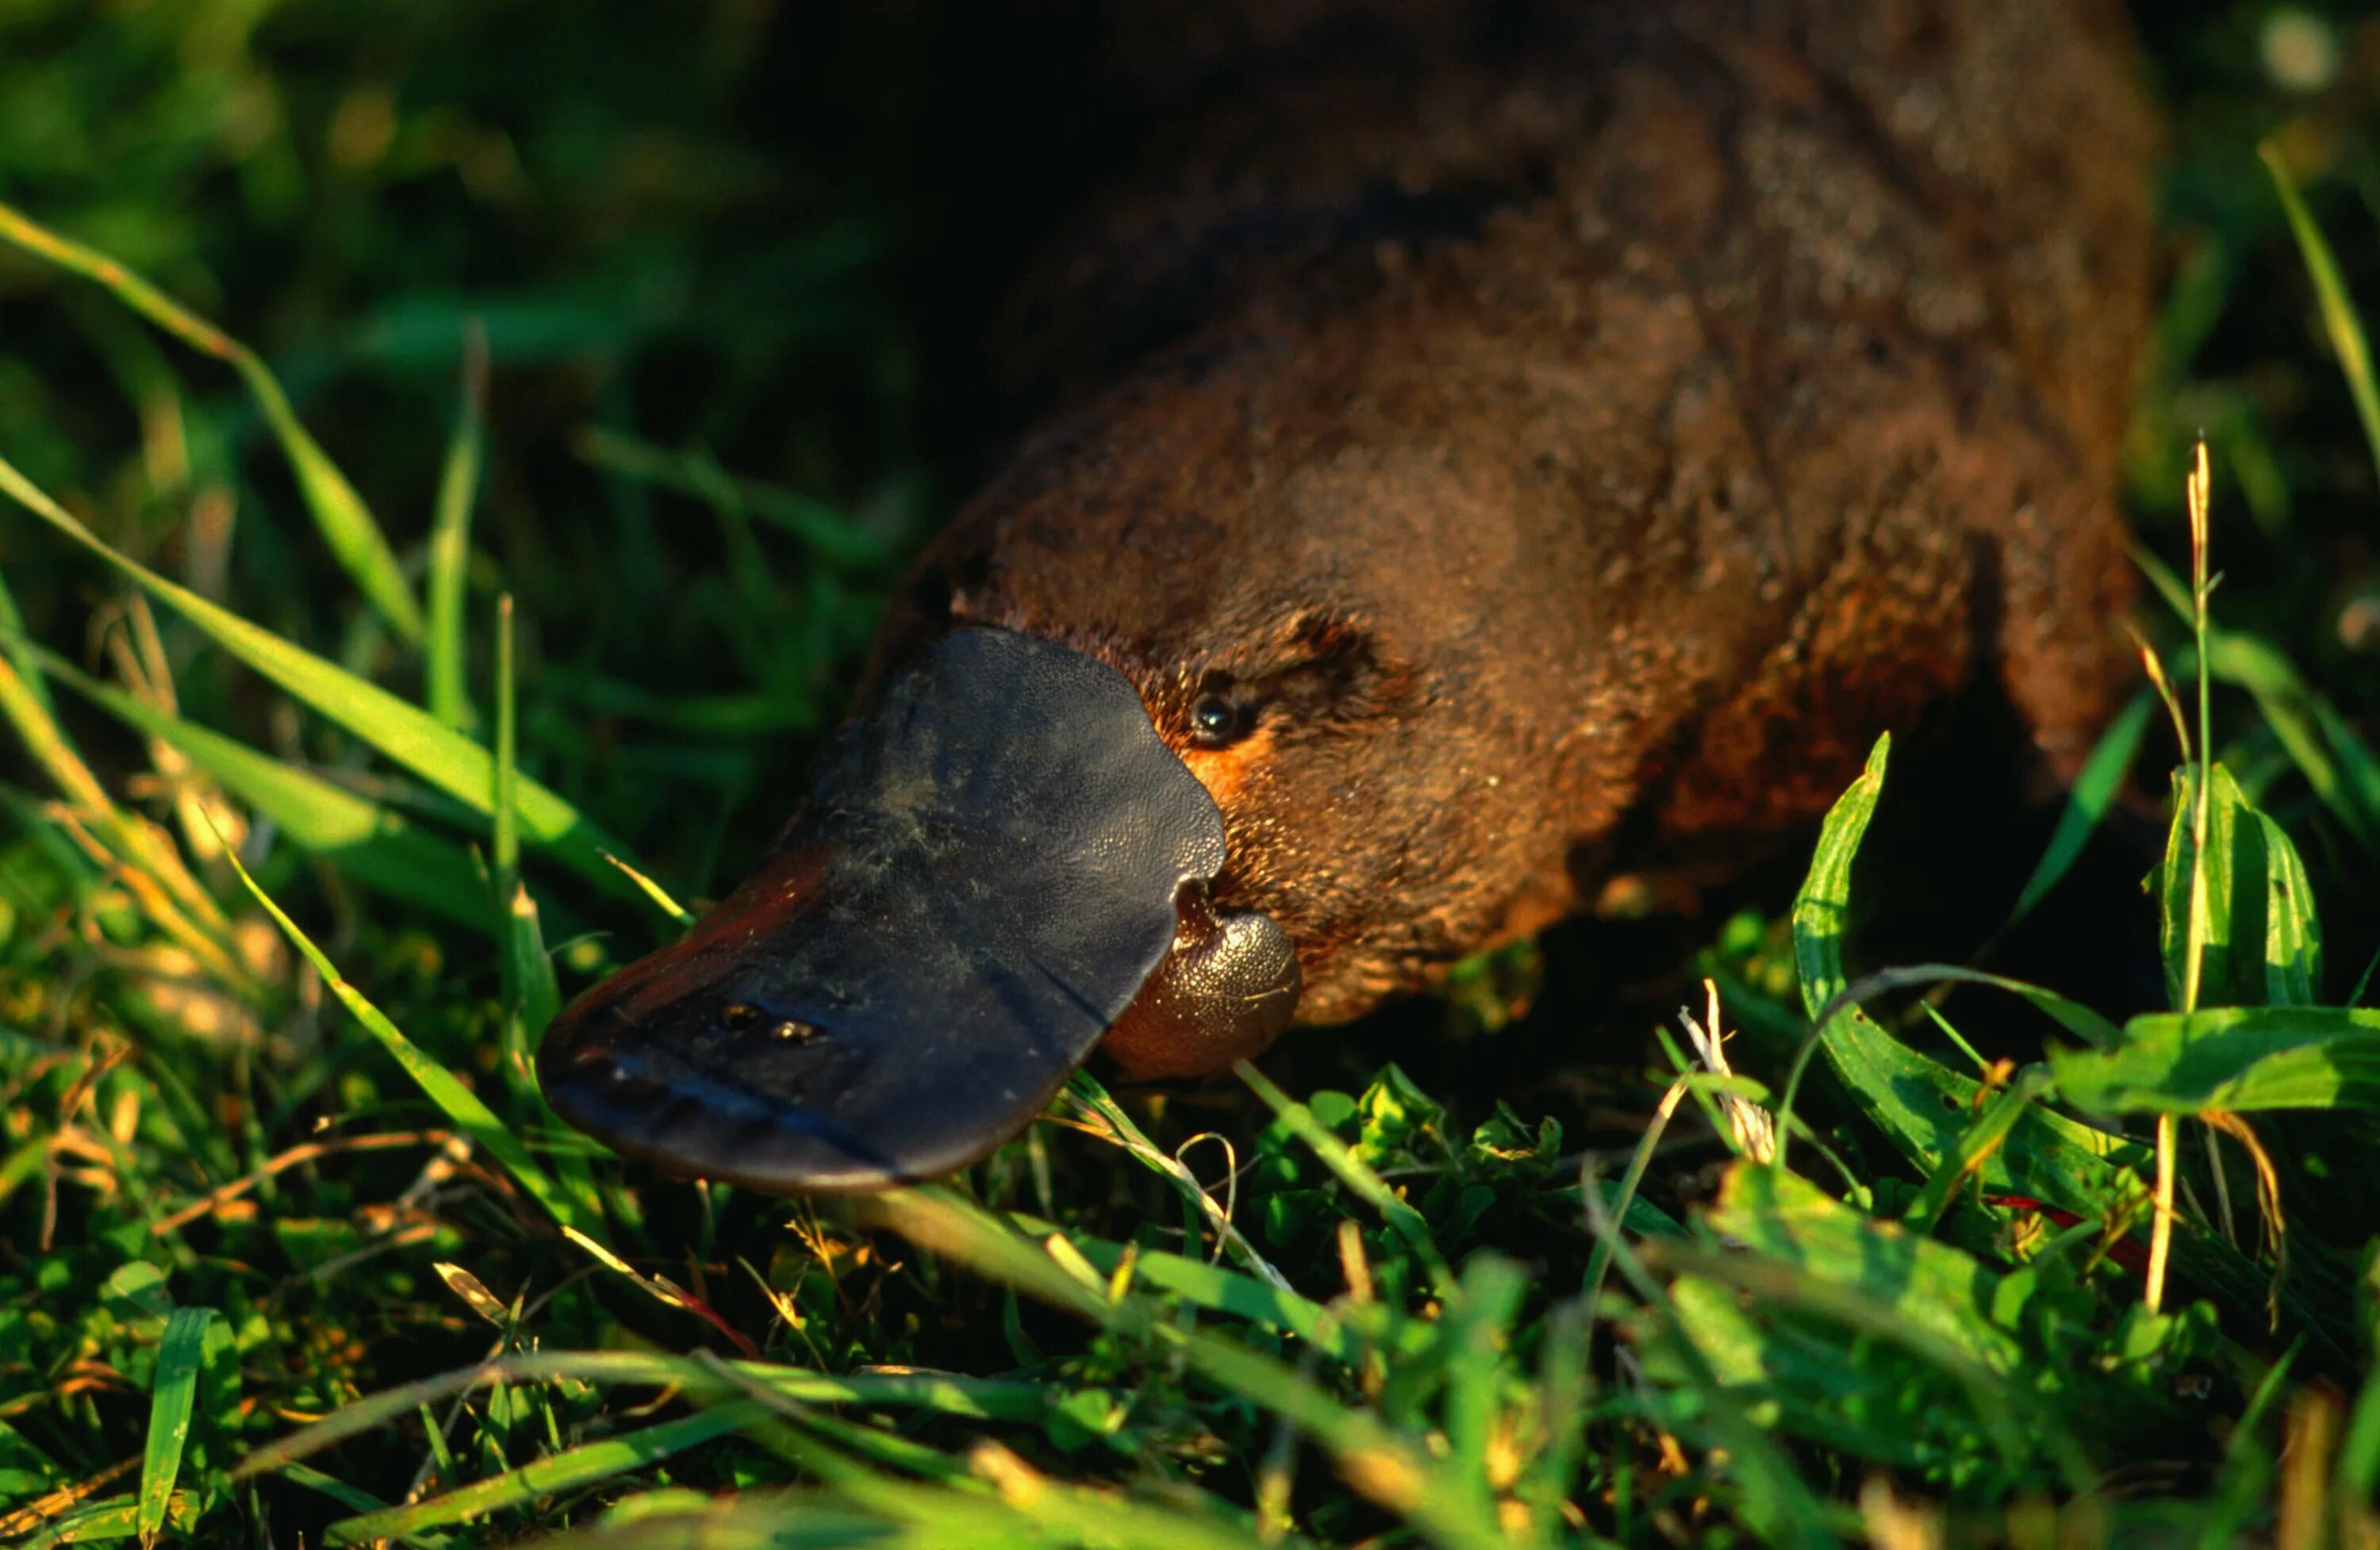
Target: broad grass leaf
x,y
1922,1105
1934,1287
2240,1059
1839,1318
112,1518
2292,929
2263,940
406,734
175,1388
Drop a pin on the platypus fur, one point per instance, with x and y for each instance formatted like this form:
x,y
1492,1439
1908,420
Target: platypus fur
x,y
1479,443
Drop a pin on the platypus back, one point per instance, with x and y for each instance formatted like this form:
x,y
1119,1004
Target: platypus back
x,y
1487,440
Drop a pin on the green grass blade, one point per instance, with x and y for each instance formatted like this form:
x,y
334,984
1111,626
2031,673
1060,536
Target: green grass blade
x,y
337,1490
2095,792
346,523
2359,1454
2337,762
1934,1302
504,782
570,1469
942,1393
1779,1508
1821,909
116,1518
1474,1332
178,1355
459,1104
1220,1291
406,734
366,840
2339,318
826,530
531,997
1084,1091
444,662
14,642
1375,1459
659,896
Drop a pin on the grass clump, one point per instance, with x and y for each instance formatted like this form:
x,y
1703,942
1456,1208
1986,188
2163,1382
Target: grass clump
x,y
295,872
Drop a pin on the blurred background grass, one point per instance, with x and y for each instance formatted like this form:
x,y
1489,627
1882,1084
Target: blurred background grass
x,y
723,256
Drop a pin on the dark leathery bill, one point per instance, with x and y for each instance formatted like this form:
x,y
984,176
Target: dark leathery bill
x,y
994,861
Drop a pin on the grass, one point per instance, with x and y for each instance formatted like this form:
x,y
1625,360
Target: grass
x,y
324,813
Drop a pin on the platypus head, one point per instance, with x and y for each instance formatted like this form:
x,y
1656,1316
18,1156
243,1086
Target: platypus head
x,y
1187,711
1001,860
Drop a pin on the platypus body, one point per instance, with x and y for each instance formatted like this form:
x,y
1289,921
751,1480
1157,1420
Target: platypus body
x,y
1484,444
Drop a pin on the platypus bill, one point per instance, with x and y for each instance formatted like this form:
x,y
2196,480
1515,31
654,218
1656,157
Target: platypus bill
x,y
1479,447
993,864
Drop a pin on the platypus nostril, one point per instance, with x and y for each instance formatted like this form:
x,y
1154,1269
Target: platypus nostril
x,y
795,1031
741,1017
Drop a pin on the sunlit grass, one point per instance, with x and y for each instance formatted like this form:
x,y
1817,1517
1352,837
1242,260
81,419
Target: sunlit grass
x,y
291,1246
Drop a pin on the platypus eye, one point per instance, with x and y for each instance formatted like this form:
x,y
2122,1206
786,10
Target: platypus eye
x,y
1216,719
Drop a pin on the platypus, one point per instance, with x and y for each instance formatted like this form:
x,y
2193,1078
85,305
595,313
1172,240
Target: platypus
x,y
1482,445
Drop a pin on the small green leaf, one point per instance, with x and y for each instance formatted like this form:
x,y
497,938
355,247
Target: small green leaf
x,y
137,1289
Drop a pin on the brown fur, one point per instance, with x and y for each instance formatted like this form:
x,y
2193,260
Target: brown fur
x,y
1571,423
